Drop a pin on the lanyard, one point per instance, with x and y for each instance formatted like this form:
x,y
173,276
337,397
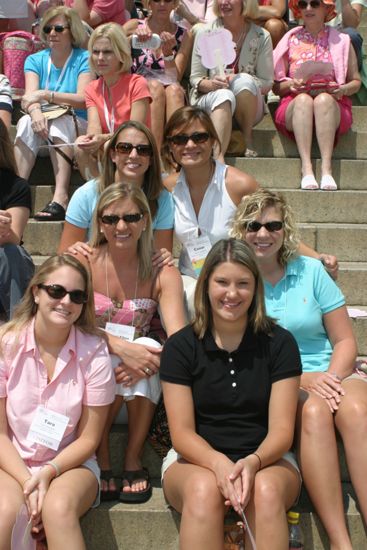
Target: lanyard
x,y
61,76
110,120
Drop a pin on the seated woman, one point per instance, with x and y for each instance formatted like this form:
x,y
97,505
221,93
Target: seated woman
x,y
305,300
163,67
320,102
241,93
131,156
16,266
127,292
230,383
50,343
115,97
57,75
271,15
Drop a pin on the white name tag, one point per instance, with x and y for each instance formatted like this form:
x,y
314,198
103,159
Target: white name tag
x,y
126,332
48,428
198,250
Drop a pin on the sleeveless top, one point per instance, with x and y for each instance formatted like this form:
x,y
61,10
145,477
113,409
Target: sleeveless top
x,y
137,312
215,215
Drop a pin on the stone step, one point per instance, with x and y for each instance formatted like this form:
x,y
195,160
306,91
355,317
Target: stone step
x,y
286,173
336,238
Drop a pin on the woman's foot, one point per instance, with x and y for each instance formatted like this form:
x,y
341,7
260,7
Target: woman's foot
x,y
108,487
136,487
328,183
309,183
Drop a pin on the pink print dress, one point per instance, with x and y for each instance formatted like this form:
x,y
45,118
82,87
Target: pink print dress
x,y
302,47
137,312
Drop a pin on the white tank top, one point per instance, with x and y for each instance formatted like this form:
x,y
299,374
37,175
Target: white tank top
x,y
215,215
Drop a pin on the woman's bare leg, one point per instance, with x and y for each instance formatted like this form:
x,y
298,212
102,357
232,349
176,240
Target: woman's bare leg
x,y
11,499
175,98
222,120
318,457
62,171
245,115
276,489
351,421
327,120
299,120
103,452
193,492
68,498
157,110
24,158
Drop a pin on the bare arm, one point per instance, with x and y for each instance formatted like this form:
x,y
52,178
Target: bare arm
x,y
239,184
330,262
140,110
12,224
70,235
171,299
93,139
183,55
163,238
89,16
275,9
351,14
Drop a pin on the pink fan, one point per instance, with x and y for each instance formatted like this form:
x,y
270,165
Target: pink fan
x,y
216,49
21,538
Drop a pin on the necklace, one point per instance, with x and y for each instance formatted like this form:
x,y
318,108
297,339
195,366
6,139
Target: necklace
x,y
117,303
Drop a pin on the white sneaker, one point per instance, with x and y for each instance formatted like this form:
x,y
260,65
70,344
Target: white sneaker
x,y
272,98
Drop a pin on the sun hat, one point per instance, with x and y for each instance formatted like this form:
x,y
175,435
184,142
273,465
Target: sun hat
x,y
330,13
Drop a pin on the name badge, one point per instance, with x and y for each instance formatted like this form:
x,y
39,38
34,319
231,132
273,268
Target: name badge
x,y
198,251
126,332
48,428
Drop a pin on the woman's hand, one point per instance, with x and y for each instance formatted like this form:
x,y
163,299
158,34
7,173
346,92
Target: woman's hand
x,y
245,470
5,224
230,489
168,42
35,489
325,385
90,143
219,83
162,257
39,124
143,33
137,362
331,264
337,92
297,86
80,248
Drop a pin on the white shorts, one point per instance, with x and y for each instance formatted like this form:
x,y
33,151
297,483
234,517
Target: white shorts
x,y
62,128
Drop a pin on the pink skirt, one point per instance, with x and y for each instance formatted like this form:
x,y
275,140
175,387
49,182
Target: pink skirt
x,y
346,118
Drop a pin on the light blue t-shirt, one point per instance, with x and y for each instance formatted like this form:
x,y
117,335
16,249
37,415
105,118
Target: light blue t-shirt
x,y
78,64
84,200
298,302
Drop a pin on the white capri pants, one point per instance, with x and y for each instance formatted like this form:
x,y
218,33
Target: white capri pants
x,y
62,128
241,82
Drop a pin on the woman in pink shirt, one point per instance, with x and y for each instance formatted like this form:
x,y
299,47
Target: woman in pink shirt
x,y
55,387
115,97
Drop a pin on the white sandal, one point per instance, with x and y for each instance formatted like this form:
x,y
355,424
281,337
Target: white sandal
x,y
328,183
309,183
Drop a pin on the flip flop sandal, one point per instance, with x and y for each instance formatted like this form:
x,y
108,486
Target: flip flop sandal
x,y
309,183
106,496
136,497
52,212
328,183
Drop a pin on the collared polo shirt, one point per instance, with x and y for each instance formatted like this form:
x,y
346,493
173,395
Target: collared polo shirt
x,y
83,376
231,391
298,302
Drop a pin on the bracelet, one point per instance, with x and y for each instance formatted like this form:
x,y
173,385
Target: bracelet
x,y
52,97
259,459
36,108
54,466
168,57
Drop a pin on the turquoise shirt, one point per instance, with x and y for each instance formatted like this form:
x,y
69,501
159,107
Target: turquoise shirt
x,y
298,302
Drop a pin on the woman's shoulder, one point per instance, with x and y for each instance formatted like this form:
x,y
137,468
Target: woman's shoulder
x,y
239,184
182,339
256,30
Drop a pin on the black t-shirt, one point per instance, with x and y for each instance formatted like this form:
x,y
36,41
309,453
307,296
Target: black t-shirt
x,y
231,391
14,191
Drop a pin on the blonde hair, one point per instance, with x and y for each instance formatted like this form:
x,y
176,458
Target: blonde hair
x,y
250,9
252,206
119,45
234,251
117,192
152,184
27,308
77,30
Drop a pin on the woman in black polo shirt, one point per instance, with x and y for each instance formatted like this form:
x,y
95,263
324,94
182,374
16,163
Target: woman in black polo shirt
x,y
230,383
16,266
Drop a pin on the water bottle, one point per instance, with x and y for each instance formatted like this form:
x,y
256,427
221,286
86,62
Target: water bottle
x,y
295,532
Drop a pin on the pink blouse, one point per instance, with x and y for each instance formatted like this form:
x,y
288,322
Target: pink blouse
x,y
305,47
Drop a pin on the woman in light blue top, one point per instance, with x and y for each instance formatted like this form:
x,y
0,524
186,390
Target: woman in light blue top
x,y
131,156
305,300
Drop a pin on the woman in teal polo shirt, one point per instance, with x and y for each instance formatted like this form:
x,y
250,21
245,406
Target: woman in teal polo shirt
x,y
305,300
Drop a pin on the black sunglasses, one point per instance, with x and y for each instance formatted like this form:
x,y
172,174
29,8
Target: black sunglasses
x,y
57,292
254,227
196,137
125,148
113,219
57,28
165,1
302,4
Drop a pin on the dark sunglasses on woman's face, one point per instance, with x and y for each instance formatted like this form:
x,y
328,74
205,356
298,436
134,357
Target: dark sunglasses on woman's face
x,y
254,227
57,292
182,139
113,219
125,148
57,28
165,1
302,4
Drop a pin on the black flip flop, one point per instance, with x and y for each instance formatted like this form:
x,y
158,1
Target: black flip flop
x,y
53,211
140,496
106,496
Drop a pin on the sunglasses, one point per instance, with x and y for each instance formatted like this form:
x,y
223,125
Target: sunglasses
x,y
113,219
125,148
302,4
254,227
57,28
196,137
165,1
57,292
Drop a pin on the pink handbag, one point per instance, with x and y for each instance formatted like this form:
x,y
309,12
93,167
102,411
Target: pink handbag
x,y
15,47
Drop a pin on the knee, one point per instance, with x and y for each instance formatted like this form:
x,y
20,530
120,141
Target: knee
x,y
59,509
303,101
175,91
323,101
352,415
316,417
202,497
156,90
267,497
